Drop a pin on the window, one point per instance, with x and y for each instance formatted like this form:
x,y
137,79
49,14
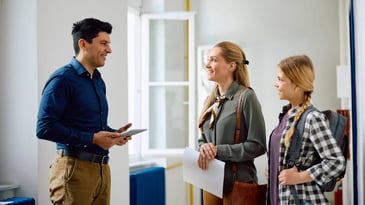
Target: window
x,y
162,75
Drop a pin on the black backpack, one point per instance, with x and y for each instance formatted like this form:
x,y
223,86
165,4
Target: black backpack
x,y
337,124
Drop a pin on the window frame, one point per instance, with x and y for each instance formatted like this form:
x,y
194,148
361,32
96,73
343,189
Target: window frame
x,y
139,86
146,151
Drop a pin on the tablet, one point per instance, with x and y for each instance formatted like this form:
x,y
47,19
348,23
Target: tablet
x,y
131,132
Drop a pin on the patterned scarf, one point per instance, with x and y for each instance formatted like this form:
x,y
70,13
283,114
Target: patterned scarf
x,y
214,109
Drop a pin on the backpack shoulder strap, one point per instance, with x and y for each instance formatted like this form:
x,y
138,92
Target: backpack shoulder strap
x,y
296,139
295,144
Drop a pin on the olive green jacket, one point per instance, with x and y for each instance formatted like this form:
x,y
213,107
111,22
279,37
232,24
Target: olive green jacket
x,y
223,134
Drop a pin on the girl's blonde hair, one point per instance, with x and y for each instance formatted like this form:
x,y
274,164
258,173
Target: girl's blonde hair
x,y
231,53
300,70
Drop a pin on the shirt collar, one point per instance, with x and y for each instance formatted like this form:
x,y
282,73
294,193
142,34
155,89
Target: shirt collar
x,y
81,70
293,112
232,90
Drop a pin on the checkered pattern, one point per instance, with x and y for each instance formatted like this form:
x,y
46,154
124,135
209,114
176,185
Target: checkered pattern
x,y
317,138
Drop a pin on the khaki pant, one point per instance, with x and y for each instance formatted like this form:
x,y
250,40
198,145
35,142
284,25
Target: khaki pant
x,y
210,199
78,182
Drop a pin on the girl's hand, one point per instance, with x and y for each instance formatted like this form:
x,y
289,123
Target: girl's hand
x,y
292,176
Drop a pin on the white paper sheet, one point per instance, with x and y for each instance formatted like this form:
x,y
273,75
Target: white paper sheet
x,y
210,180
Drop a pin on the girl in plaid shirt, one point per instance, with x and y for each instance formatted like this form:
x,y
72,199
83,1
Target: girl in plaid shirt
x,y
295,77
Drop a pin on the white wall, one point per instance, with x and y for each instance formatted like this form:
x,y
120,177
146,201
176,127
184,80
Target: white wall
x,y
18,91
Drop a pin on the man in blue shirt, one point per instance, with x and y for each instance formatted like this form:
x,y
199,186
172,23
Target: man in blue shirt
x,y
73,113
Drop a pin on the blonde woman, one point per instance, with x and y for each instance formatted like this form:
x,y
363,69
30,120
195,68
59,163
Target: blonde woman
x,y
295,83
227,67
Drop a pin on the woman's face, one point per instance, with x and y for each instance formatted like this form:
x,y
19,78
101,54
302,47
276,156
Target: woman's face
x,y
286,89
219,70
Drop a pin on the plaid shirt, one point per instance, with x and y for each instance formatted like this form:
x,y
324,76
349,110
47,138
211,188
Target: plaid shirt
x,y
317,138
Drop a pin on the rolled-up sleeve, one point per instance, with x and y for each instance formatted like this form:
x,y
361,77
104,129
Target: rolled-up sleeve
x,y
333,161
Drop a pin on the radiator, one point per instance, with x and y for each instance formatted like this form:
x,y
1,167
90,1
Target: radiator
x,y
18,201
147,186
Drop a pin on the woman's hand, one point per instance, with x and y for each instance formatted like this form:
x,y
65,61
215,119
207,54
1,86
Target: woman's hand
x,y
207,152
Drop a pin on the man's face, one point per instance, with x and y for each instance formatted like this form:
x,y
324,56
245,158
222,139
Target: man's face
x,y
95,52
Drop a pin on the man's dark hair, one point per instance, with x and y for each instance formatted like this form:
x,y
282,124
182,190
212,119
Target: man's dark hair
x,y
88,29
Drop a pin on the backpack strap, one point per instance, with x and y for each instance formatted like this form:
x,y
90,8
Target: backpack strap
x,y
294,147
296,139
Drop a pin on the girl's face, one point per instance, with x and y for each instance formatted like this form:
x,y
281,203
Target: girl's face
x,y
219,70
286,89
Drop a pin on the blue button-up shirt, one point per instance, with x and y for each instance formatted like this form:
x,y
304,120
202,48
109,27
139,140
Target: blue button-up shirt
x,y
73,107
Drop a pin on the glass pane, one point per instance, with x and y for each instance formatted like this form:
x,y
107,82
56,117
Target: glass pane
x,y
168,123
168,51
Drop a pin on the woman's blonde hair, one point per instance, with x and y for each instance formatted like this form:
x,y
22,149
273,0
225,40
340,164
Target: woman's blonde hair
x,y
300,70
231,52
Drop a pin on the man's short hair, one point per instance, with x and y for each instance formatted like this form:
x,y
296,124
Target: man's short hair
x,y
88,29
